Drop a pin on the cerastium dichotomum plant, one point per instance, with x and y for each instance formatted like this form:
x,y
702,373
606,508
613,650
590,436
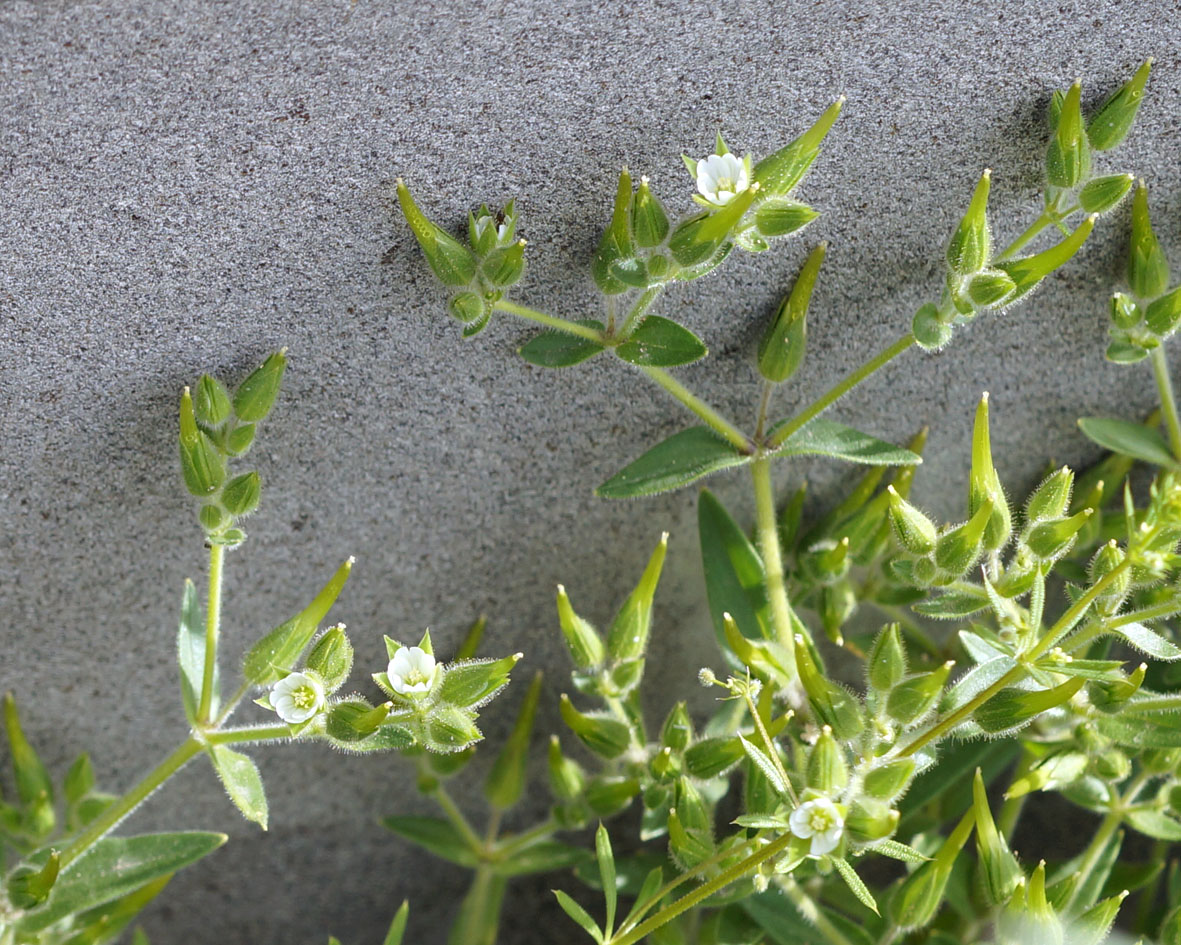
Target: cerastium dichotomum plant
x,y
777,818
68,879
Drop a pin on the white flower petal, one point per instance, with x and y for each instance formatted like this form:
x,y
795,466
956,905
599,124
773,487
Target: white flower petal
x,y
800,821
825,842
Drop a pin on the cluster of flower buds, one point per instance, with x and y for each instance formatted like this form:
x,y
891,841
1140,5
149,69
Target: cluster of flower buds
x,y
977,279
1152,312
216,428
478,273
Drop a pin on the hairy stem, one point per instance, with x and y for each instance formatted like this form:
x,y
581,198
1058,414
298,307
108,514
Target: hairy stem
x,y
1168,402
812,912
768,531
550,321
639,310
714,420
212,629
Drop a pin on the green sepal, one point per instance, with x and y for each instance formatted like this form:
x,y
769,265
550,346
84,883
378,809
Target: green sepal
x,y
649,222
886,782
914,531
504,265
1111,122
915,901
913,698
834,705
473,683
239,439
826,770
627,637
212,402
780,216
201,462
506,779
256,395
567,780
970,244
332,658
28,886
1163,315
1028,271
998,867
602,734
659,342
1101,194
1068,158
984,485
239,776
450,729
276,654
33,784
886,663
352,720
582,640
451,261
781,349
240,495
778,173
616,242
1148,267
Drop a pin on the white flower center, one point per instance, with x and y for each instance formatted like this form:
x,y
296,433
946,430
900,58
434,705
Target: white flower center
x,y
304,697
415,677
819,820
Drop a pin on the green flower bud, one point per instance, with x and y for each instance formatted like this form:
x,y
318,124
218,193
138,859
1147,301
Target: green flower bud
x,y
886,663
870,820
778,173
212,403
984,485
827,561
450,729
241,494
833,704
607,796
930,332
566,777
505,265
256,395
838,602
826,771
990,288
332,658
1125,313
958,549
1112,765
1068,159
970,244
238,440
602,734
1104,193
998,867
888,781
451,261
1028,916
914,902
1148,269
29,887
201,462
1160,760
585,646
915,532
711,756
1051,499
1111,122
616,243
627,637
214,519
687,846
1013,707
1092,926
677,731
473,683
1050,540
1164,315
781,349
1111,695
780,216
665,766
1028,271
913,698
468,307
1106,560
352,719
649,222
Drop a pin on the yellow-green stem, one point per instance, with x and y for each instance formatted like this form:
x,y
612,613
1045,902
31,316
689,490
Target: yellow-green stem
x,y
639,310
712,418
212,628
550,321
1168,402
768,532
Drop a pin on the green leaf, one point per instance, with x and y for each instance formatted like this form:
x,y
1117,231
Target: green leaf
x,y
478,918
898,851
398,926
826,438
557,349
506,779
190,651
1014,707
683,458
579,915
543,857
735,582
436,835
765,765
784,924
239,776
1155,824
116,867
1141,729
658,342
952,605
104,923
1148,641
1128,439
606,861
853,881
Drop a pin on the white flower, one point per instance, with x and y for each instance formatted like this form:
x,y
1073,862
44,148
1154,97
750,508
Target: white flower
x,y
721,178
297,697
411,670
819,820
486,220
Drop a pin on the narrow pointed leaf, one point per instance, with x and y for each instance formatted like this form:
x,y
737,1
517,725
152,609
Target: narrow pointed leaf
x,y
826,438
398,926
735,582
1148,641
190,651
853,881
239,776
1128,439
433,834
579,915
683,458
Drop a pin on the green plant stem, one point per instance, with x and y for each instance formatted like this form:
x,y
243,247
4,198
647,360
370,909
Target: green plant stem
x,y
1168,402
212,628
231,704
110,818
812,912
639,310
704,891
1108,826
251,733
550,321
770,747
835,393
764,403
510,844
1048,218
714,420
768,531
889,934
452,812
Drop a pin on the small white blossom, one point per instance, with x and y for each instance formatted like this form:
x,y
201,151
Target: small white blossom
x,y
721,178
486,220
297,697
820,821
411,670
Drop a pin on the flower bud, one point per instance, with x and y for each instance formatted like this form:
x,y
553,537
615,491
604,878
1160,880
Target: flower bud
x,y
353,719
1028,271
826,771
585,646
1111,122
687,846
468,307
616,243
778,173
1106,560
984,485
627,637
239,439
990,288
1110,695
213,518
1104,193
998,867
332,658
1092,926
201,462
781,349
838,602
1112,765
834,705
602,734
212,402
505,265
607,796
451,261
711,756
256,395
970,244
915,532
566,777
450,729
780,216
1052,539
1052,498
29,887
240,495
1148,269
1160,760
914,902
888,781
1164,315
913,698
958,549
930,332
870,820
473,683
1068,158
886,664
649,222
1013,707
1125,313
677,731
1028,916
